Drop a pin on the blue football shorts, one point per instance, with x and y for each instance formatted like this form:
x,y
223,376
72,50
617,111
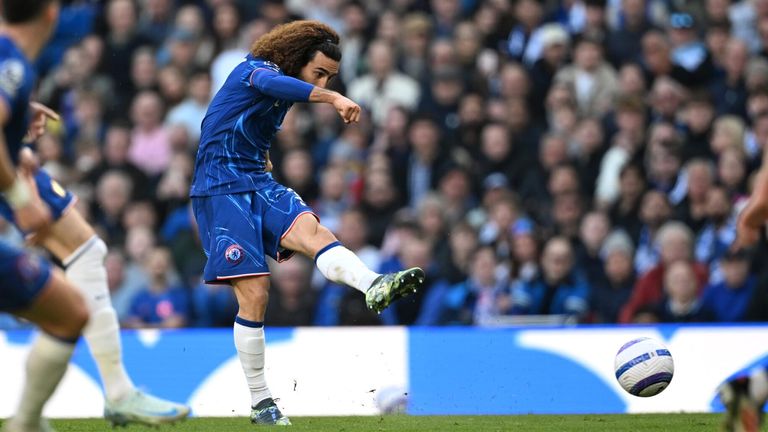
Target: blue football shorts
x,y
22,278
238,231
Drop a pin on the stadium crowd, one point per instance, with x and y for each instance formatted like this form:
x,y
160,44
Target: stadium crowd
x,y
582,159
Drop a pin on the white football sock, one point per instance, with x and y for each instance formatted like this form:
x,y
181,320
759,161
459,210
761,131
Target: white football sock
x,y
341,265
85,269
249,341
758,385
46,364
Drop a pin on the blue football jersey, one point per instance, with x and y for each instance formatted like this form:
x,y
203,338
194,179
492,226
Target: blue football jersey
x,y
237,130
17,79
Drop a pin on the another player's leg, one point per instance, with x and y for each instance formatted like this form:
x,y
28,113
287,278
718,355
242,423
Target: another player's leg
x,y
252,295
744,397
72,240
341,265
61,314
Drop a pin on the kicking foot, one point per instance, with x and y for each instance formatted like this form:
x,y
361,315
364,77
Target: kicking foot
x,y
139,407
392,286
14,426
742,413
266,412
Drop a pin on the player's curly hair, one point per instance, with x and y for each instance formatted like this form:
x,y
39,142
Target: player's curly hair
x,y
291,46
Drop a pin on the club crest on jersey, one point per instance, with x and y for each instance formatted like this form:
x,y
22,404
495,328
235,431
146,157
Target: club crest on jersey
x,y
234,254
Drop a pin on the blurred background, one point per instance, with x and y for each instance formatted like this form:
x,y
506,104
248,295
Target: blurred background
x,y
549,162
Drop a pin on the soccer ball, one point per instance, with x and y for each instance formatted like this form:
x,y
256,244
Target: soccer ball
x,y
644,367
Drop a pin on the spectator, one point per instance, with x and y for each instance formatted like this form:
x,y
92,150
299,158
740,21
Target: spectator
x,y
732,171
113,194
682,303
688,52
291,301
558,290
675,243
121,41
161,304
611,292
624,213
699,179
592,80
384,86
116,148
594,230
718,234
479,299
191,111
623,43
730,91
729,299
150,148
123,285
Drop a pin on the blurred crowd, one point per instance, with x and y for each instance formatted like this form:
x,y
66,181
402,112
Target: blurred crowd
x,y
582,160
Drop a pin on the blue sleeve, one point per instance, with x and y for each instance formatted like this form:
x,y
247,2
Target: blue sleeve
x,y
279,86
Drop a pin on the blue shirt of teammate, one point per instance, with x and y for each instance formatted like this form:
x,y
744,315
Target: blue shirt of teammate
x,y
241,121
16,81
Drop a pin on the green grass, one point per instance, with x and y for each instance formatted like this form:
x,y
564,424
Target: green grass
x,y
527,423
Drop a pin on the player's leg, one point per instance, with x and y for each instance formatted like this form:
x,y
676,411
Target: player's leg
x,y
73,241
744,396
252,296
58,309
339,264
232,236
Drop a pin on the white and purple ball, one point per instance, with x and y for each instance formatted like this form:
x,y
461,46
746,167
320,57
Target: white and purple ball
x,y
644,367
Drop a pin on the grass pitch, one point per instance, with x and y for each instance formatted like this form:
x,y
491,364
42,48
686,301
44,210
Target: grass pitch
x,y
527,423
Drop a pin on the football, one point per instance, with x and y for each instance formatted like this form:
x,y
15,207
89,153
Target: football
x,y
644,367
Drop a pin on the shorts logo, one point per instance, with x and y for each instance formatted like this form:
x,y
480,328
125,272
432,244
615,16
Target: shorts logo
x,y
234,254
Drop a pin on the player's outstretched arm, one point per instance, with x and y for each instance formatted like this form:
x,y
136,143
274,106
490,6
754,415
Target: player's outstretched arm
x,y
292,89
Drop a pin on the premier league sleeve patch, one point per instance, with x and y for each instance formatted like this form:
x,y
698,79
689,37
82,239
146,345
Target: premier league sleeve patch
x,y
234,254
11,76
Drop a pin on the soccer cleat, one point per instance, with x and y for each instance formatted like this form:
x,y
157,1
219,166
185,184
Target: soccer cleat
x,y
266,412
389,287
742,413
139,407
12,426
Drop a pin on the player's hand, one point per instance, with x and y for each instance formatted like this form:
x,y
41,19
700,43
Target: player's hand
x,y
29,163
746,236
269,166
32,216
40,114
348,110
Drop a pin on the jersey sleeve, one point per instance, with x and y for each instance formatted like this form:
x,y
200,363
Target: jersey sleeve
x,y
272,83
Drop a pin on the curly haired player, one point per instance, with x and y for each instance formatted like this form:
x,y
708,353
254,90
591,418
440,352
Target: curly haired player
x,y
244,215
